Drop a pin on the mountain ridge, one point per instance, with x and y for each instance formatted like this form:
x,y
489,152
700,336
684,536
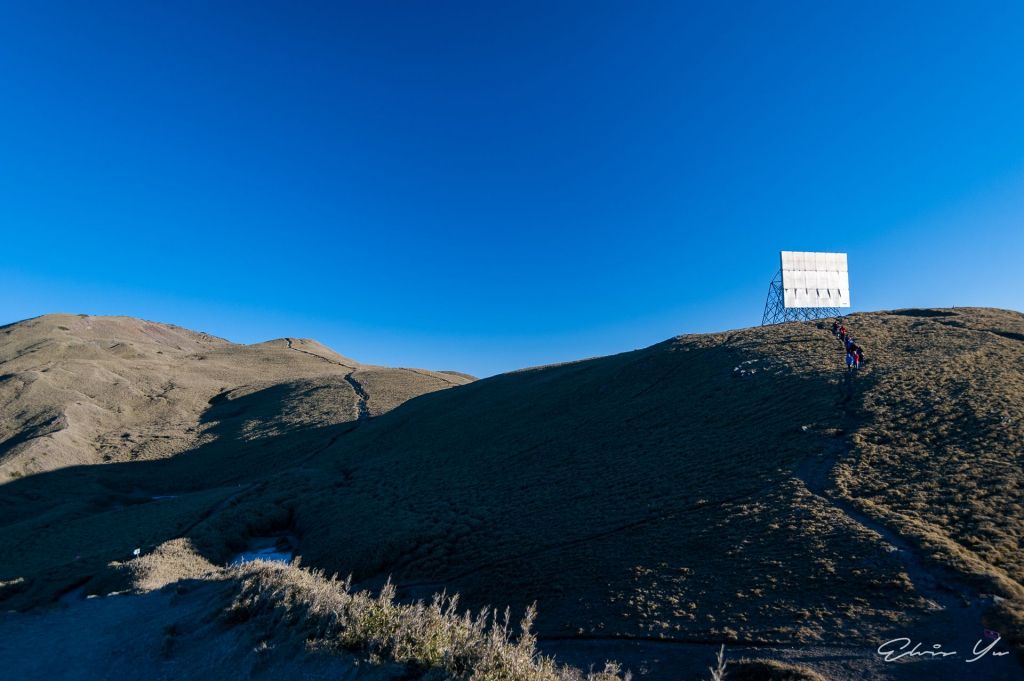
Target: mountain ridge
x,y
74,381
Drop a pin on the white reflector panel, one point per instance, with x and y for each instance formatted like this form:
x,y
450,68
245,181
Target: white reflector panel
x,y
815,279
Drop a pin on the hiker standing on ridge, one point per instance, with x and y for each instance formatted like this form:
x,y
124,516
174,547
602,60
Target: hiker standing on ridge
x,y
842,332
835,328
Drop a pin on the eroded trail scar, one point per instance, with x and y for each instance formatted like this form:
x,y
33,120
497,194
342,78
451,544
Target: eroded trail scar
x,y
933,583
362,397
362,401
940,585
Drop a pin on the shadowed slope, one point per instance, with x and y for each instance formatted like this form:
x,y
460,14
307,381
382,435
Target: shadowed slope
x,y
664,492
182,423
625,494
733,487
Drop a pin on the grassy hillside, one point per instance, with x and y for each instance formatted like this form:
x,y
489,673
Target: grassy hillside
x,y
736,487
79,389
671,492
939,453
181,423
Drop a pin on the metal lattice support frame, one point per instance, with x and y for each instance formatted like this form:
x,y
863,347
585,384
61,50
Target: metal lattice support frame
x,y
776,312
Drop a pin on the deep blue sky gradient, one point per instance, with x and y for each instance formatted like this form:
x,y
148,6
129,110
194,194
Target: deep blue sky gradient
x,y
483,187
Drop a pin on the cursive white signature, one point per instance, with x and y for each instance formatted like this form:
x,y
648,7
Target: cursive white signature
x,y
899,648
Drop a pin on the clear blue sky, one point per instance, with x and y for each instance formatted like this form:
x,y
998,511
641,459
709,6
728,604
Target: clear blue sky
x,y
483,187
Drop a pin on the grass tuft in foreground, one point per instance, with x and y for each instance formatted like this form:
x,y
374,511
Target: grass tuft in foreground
x,y
430,636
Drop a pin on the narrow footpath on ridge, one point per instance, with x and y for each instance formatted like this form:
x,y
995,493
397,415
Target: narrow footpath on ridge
x,y
362,397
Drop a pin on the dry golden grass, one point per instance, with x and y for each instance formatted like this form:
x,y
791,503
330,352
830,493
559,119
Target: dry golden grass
x,y
170,562
940,452
181,421
297,604
650,493
659,493
79,389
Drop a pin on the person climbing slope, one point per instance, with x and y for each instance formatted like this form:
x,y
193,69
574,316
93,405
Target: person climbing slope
x,y
854,352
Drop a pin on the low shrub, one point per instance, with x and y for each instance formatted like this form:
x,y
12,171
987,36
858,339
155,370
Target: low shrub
x,y
294,602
